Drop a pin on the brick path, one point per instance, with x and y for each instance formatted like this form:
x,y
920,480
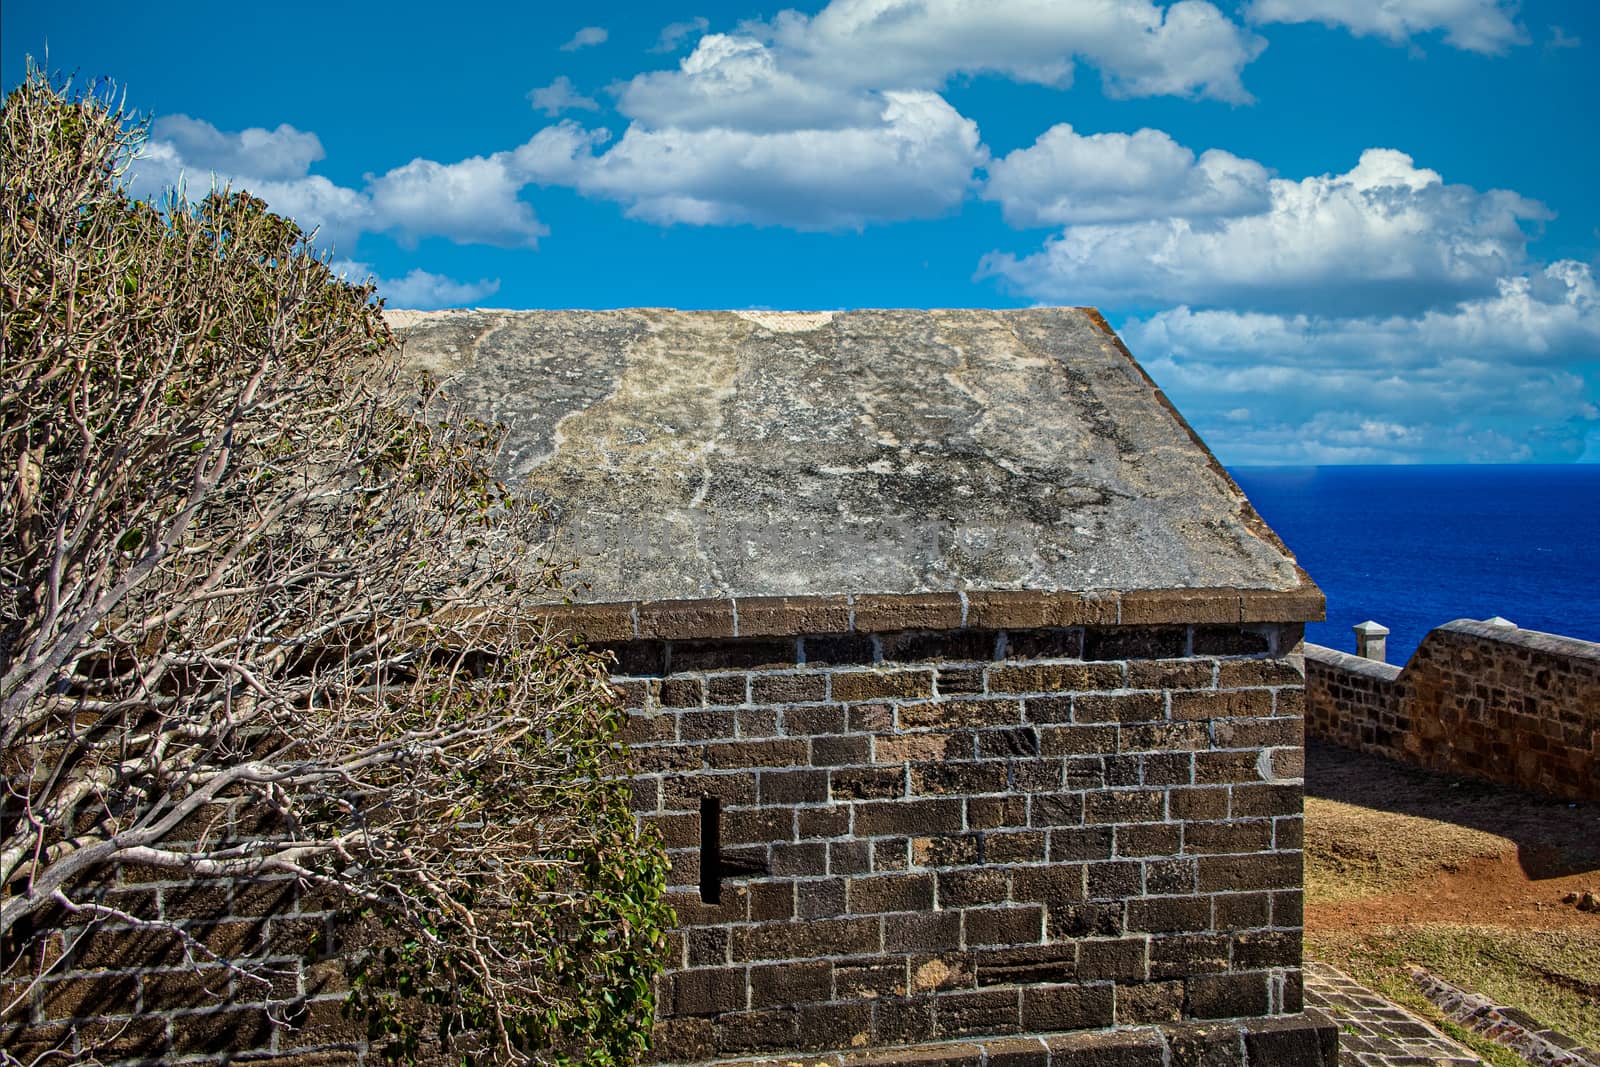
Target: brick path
x,y
1374,1032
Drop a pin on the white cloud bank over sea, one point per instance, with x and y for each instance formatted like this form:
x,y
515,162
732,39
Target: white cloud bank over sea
x,y
1379,312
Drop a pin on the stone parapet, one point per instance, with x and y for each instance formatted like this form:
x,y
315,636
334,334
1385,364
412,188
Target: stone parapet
x,y
1481,699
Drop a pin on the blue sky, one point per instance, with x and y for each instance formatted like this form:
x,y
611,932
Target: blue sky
x,y
1334,231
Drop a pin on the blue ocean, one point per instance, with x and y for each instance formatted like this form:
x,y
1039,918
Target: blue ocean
x,y
1414,547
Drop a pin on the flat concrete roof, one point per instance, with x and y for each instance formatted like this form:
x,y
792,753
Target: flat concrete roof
x,y
720,455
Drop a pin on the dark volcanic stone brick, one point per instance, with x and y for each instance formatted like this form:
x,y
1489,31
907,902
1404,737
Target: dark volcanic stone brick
x,y
1135,642
1066,1007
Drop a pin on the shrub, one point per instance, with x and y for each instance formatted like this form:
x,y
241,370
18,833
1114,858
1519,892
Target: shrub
x,y
245,567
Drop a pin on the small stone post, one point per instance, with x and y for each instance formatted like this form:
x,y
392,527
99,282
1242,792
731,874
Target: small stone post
x,y
1371,640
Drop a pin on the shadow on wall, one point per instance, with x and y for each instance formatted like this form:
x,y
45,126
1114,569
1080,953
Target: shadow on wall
x,y
1483,700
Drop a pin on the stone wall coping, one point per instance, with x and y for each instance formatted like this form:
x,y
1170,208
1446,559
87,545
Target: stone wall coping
x,y
1374,669
999,609
1534,640
1537,640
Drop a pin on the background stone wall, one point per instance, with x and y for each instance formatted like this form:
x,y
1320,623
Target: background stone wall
x,y
974,833
1512,706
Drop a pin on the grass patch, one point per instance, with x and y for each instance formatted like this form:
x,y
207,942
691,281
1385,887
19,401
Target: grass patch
x,y
1354,852
1551,975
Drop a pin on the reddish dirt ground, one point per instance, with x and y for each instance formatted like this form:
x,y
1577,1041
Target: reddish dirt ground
x,y
1388,845
1493,891
1463,878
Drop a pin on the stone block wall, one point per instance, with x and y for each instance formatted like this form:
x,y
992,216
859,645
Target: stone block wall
x,y
116,993
973,833
1354,702
948,833
1511,706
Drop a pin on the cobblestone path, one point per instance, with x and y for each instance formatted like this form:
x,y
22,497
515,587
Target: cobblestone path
x,y
1374,1032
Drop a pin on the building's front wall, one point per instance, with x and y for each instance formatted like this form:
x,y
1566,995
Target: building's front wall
x,y
973,832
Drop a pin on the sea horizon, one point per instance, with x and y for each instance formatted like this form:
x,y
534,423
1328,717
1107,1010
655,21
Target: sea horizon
x,y
1414,546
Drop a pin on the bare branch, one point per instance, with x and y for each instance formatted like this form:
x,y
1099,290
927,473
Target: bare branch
x,y
251,576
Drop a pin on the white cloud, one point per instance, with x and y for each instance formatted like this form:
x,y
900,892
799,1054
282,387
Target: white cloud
x,y
473,200
832,121
419,290
558,155
1354,436
337,214
283,153
673,33
470,201
1141,49
1384,237
1546,317
738,83
733,137
157,166
194,156
913,161
560,95
1515,375
1067,177
586,37
1487,26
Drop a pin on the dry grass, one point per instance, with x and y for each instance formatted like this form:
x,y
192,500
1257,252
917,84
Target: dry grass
x,y
1354,852
1554,976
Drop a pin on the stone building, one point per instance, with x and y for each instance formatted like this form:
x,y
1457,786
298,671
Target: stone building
x,y
965,684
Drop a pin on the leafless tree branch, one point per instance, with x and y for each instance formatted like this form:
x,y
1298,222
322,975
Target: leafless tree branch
x,y
245,567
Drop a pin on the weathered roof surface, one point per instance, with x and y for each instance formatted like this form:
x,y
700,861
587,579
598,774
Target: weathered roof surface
x,y
715,455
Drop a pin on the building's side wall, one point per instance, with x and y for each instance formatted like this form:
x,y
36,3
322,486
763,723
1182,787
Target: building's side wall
x,y
974,833
1506,705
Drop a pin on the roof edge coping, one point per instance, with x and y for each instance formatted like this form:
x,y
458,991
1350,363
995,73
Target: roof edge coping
x,y
866,613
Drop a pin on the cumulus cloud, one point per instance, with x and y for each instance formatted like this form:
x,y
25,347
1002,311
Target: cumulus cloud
x,y
1066,177
283,153
1546,317
732,136
1514,375
1385,236
419,290
1487,26
833,120
471,201
674,33
337,214
738,83
560,95
586,37
915,160
1140,48
194,156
